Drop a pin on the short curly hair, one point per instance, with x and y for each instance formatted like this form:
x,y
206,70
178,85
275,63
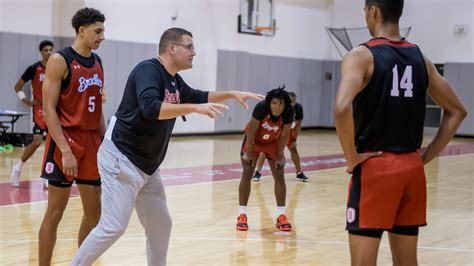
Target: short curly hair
x,y
45,43
86,16
282,94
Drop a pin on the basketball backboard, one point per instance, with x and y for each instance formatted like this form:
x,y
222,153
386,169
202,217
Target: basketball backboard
x,y
256,17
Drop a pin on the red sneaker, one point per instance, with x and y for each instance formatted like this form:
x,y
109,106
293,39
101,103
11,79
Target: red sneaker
x,y
242,222
282,223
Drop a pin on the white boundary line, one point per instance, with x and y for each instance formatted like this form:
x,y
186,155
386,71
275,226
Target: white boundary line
x,y
243,240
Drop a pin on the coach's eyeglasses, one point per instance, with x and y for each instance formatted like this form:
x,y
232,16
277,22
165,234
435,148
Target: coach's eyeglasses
x,y
189,47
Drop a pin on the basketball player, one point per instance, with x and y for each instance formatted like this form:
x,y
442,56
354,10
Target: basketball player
x,y
136,143
291,145
35,73
72,109
381,105
267,132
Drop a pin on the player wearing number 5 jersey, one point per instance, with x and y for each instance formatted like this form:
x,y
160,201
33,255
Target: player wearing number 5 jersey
x,y
379,114
72,108
267,133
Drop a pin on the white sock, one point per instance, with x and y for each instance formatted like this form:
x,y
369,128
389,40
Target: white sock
x,y
280,210
299,173
20,163
243,210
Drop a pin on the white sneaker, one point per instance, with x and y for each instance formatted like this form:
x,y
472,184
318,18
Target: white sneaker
x,y
45,183
15,176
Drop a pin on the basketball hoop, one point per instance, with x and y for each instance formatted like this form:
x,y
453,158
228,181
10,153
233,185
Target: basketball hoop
x,y
265,31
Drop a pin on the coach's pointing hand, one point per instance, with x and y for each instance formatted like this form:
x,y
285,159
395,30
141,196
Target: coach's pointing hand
x,y
211,109
242,97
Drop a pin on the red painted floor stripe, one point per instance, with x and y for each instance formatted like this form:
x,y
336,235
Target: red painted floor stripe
x,y
32,191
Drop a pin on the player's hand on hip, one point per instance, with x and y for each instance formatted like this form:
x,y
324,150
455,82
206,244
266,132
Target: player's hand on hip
x,y
248,159
35,102
243,96
280,161
361,157
69,163
27,102
212,110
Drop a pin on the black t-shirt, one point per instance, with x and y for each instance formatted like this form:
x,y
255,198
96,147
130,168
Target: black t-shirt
x,y
138,133
30,72
261,110
298,112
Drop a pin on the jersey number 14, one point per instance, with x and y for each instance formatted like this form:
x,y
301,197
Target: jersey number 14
x,y
405,83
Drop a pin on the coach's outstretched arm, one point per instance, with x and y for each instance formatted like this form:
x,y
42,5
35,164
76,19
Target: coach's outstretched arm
x,y
170,111
211,109
240,96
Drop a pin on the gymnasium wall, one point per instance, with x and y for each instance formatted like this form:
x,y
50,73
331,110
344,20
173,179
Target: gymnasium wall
x,y
226,60
433,24
460,75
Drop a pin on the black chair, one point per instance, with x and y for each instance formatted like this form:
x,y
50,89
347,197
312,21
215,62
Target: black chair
x,y
3,131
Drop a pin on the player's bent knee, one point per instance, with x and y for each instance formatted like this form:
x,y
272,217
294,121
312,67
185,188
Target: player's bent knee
x,y
92,214
114,230
37,142
54,216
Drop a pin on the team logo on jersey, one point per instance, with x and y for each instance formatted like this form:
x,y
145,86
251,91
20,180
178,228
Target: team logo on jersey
x,y
41,76
351,215
86,83
171,97
49,168
268,127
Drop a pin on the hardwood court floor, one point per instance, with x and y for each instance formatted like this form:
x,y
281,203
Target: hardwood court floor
x,y
202,189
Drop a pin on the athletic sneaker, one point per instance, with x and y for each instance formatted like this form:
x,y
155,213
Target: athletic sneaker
x,y
282,223
301,177
257,176
242,222
15,176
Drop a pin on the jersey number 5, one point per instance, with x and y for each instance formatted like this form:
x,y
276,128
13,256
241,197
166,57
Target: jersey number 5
x,y
405,83
91,104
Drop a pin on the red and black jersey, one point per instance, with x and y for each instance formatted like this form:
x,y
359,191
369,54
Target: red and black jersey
x,y
389,112
268,130
35,73
80,100
270,127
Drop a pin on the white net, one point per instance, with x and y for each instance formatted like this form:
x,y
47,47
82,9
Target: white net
x,y
344,39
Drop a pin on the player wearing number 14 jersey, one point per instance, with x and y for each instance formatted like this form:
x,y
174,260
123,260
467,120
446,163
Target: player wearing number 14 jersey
x,y
379,113
267,133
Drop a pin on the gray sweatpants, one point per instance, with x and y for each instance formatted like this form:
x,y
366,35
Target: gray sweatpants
x,y
124,187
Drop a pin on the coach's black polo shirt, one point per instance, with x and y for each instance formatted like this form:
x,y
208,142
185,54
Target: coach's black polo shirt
x,y
138,133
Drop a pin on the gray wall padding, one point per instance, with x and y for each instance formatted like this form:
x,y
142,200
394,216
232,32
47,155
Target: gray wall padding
x,y
315,84
461,77
235,71
260,73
